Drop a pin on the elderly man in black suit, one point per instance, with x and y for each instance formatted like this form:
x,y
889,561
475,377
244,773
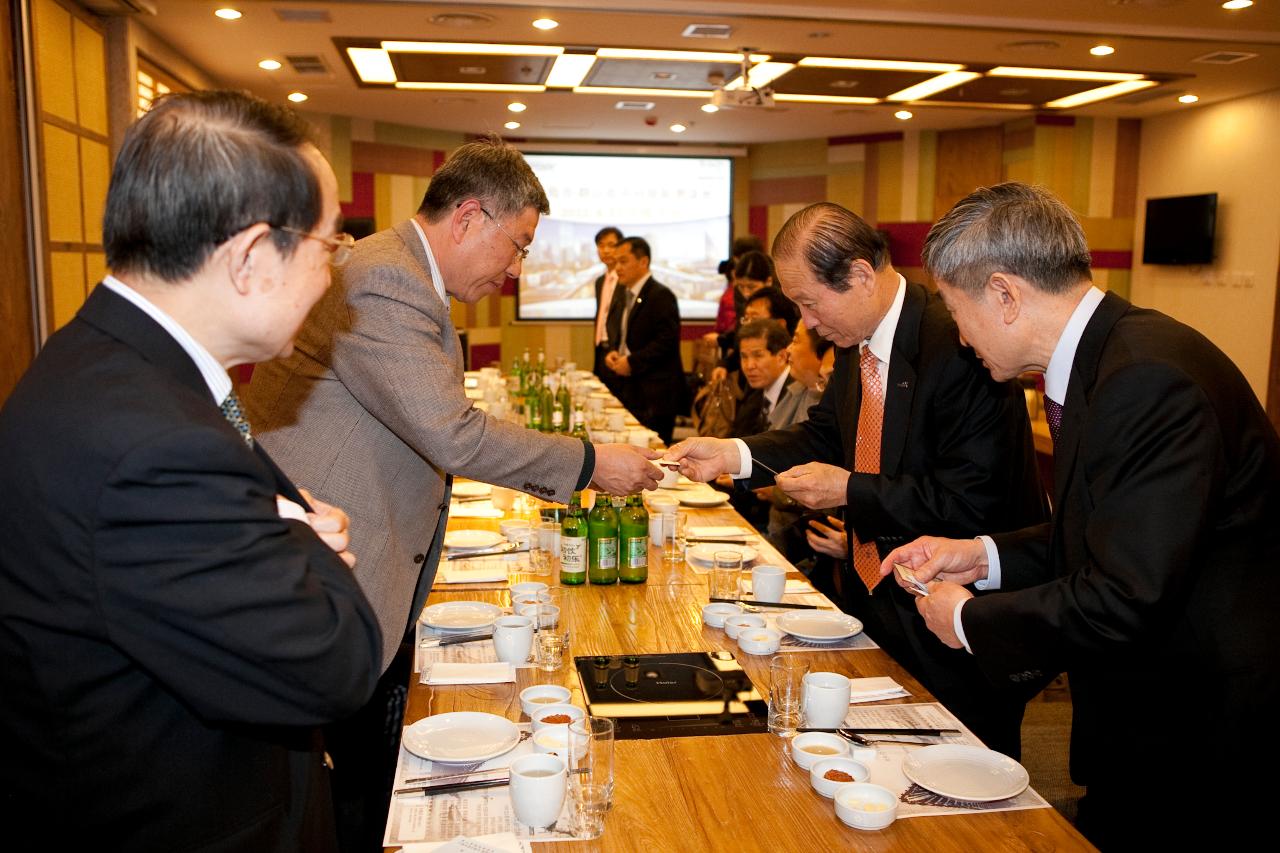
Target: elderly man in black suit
x,y
644,341
1154,585
176,622
911,435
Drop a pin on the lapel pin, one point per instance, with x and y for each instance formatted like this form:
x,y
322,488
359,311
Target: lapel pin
x,y
903,384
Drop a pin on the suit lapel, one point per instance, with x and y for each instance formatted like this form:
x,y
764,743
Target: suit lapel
x,y
1084,372
900,385
852,406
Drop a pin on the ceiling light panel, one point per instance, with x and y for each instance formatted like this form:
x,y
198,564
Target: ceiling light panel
x,y
1061,74
668,55
878,64
471,87
934,85
629,92
569,70
822,99
762,74
471,48
1100,94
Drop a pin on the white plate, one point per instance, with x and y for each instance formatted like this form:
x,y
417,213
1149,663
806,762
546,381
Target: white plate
x,y
460,615
702,497
727,531
471,489
461,736
819,627
970,773
472,540
707,553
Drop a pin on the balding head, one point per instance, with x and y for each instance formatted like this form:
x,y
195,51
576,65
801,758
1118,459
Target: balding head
x,y
829,239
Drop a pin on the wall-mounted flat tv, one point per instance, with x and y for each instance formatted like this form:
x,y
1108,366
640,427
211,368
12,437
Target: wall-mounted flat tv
x,y
1180,229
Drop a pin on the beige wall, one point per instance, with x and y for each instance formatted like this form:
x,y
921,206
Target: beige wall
x,y
1231,149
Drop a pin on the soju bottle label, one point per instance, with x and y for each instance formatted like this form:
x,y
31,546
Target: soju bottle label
x,y
607,553
573,554
637,556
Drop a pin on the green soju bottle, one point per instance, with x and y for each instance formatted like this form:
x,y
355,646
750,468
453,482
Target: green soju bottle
x,y
633,541
547,399
580,424
602,534
564,403
573,544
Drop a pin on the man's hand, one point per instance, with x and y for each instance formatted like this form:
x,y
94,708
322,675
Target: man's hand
x,y
619,364
330,523
816,485
705,458
958,561
622,469
939,609
832,541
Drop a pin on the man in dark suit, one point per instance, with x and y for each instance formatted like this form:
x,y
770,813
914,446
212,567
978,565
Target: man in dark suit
x,y
176,623
944,447
606,287
1154,585
644,341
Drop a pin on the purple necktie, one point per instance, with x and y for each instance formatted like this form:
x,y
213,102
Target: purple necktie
x,y
1053,414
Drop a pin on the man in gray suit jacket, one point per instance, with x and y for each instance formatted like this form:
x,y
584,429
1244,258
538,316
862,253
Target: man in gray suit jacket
x,y
370,407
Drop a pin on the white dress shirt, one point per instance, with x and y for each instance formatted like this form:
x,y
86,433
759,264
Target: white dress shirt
x,y
436,278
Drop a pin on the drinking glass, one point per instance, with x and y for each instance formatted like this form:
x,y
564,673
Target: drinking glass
x,y
550,648
786,693
544,548
673,535
591,789
726,574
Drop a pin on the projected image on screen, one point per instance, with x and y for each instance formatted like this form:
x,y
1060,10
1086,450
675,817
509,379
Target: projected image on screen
x,y
681,205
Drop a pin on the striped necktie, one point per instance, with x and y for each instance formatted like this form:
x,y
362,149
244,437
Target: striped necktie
x,y
235,416
866,456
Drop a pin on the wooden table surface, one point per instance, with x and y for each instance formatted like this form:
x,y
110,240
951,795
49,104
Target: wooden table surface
x,y
723,793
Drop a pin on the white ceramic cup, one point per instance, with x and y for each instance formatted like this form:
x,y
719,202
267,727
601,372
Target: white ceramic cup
x,y
670,476
537,789
768,583
513,638
825,700
638,437
617,421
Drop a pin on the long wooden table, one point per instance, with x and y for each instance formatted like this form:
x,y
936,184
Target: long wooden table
x,y
730,793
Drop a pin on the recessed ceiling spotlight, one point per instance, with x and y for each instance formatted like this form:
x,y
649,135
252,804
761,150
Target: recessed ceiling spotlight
x,y
679,128
511,125
1188,99
228,14
903,115
1237,4
516,107
269,65
545,24
1102,50
710,108
297,97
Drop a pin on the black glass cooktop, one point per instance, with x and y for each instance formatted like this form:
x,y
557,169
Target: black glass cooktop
x,y
672,695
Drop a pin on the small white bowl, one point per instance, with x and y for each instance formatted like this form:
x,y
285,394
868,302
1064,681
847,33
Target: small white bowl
x,y
832,746
549,616
575,713
866,806
528,588
735,625
552,739
535,698
759,641
828,787
714,614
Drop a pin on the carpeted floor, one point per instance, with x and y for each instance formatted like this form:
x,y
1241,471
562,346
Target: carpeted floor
x,y
1046,738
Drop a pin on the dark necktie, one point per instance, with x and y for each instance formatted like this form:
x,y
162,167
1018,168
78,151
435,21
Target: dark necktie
x,y
1053,414
235,416
628,306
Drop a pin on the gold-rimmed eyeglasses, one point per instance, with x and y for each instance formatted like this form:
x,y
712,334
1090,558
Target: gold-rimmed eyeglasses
x,y
340,245
521,251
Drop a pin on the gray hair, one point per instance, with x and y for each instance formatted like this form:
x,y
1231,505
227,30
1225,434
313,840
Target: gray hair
x,y
830,238
1011,228
488,170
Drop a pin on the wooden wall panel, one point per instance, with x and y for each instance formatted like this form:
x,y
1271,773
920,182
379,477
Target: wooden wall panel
x,y
62,186
967,159
91,78
52,29
17,326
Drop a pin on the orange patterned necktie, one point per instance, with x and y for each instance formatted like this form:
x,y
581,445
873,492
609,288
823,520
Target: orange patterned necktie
x,y
866,456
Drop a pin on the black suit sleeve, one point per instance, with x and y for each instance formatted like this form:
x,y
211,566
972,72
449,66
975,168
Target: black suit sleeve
x,y
1151,459
245,616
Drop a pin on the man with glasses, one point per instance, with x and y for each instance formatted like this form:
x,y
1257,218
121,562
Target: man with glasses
x,y
370,412
176,622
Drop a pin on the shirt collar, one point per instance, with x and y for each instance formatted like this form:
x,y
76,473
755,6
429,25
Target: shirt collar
x,y
635,288
1058,373
214,374
436,278
881,341
774,391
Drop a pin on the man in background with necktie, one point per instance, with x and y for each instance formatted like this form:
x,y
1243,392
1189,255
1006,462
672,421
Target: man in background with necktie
x,y
911,435
178,618
1155,585
606,287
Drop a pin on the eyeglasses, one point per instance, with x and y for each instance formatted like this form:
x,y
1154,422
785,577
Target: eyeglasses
x,y
522,252
340,245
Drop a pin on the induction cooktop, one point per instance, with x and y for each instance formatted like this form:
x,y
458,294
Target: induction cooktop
x,y
681,694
